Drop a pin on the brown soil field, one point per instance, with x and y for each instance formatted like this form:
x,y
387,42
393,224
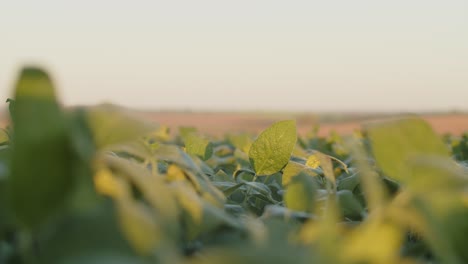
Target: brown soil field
x,y
218,124
221,123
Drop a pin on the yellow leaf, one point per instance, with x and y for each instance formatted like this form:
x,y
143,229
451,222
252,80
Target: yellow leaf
x,y
313,161
153,188
162,133
3,136
112,125
138,226
374,241
189,200
107,184
300,194
327,166
293,169
174,173
402,211
310,232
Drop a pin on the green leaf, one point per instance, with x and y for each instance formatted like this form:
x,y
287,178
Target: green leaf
x,y
153,188
111,125
198,146
222,176
394,143
349,183
260,188
138,226
350,207
41,166
301,193
186,131
93,237
271,151
294,168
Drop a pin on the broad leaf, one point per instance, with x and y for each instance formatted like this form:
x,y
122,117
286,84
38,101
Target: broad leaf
x,y
198,146
111,125
394,143
271,151
294,168
41,166
300,194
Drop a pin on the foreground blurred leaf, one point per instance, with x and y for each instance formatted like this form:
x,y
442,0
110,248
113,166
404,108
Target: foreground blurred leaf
x,y
152,187
111,125
41,171
4,138
325,162
408,150
373,242
139,226
192,206
394,143
135,219
438,185
93,237
271,151
349,205
301,193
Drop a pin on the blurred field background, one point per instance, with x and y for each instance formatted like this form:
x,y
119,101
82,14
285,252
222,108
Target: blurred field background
x,y
220,123
344,123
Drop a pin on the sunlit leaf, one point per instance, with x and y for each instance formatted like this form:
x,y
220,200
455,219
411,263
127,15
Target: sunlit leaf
x,y
107,184
373,242
111,125
327,166
271,151
395,142
136,149
4,138
198,146
153,188
138,226
174,173
313,161
192,205
294,168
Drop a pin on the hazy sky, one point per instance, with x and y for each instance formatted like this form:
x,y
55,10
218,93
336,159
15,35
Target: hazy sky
x,y
244,55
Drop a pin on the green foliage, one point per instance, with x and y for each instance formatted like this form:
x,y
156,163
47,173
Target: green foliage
x,y
198,146
98,185
300,194
41,162
396,143
271,151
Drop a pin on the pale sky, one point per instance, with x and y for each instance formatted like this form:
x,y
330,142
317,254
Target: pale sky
x,y
245,54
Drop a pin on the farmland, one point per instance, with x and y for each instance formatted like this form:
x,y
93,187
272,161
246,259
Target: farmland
x,y
102,185
221,123
216,123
